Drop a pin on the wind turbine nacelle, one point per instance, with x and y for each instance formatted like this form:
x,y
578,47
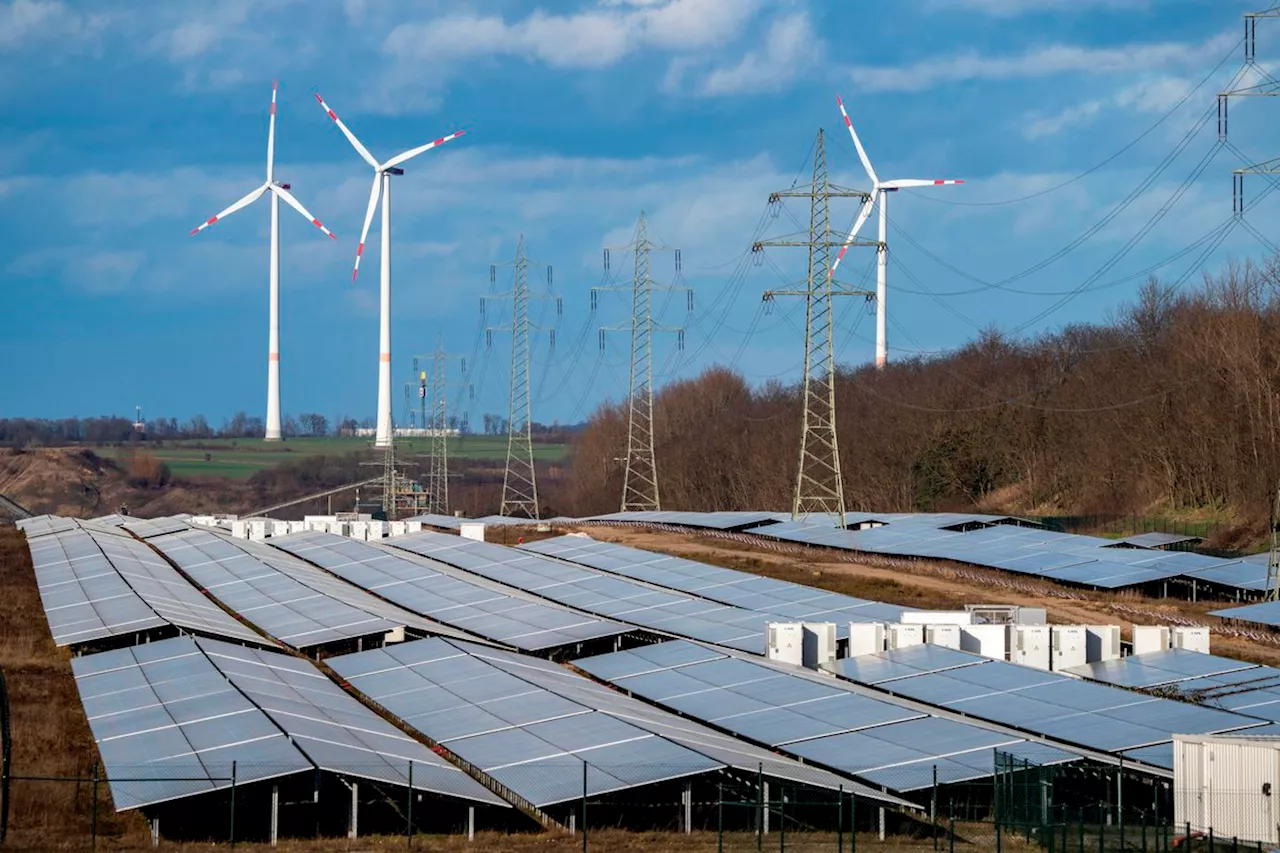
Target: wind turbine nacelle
x,y
395,170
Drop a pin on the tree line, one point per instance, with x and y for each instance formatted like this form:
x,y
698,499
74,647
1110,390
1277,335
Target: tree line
x,y
1172,403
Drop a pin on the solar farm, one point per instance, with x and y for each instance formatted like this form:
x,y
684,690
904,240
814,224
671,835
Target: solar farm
x,y
435,683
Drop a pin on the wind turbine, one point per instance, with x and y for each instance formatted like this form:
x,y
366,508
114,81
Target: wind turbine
x,y
382,173
879,193
278,191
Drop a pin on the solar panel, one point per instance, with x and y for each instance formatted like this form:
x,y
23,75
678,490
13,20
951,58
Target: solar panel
x,y
1264,613
296,603
432,589
1052,705
150,527
1154,669
511,744
828,723
43,525
95,585
728,586
609,596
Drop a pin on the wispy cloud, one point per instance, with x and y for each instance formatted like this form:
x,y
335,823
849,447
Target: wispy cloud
x,y
1015,8
1148,96
1044,61
36,23
787,53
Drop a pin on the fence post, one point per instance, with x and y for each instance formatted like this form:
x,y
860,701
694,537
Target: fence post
x,y
719,817
93,828
408,828
951,834
840,820
998,839
584,805
759,806
853,820
782,820
933,810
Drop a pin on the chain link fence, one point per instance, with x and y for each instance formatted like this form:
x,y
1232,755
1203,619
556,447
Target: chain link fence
x,y
570,805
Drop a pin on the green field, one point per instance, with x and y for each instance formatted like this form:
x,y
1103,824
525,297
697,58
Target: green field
x,y
240,458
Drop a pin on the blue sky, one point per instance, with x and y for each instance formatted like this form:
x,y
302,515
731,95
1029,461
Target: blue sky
x,y
129,123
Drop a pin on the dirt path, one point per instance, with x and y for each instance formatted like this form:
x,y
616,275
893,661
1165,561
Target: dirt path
x,y
932,585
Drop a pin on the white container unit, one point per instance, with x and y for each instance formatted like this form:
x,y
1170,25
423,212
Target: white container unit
x,y
991,641
1031,645
1069,646
297,526
936,617
1150,638
377,530
947,636
471,530
866,638
784,641
818,644
1193,639
903,636
1228,784
1102,643
360,530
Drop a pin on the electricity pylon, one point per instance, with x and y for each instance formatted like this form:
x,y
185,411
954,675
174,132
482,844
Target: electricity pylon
x,y
819,484
433,389
520,479
1273,559
1268,87
640,482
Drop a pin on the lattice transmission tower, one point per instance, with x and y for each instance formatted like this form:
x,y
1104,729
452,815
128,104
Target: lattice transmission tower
x,y
640,480
433,389
520,479
819,484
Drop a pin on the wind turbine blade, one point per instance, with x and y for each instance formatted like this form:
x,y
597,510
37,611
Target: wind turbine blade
x,y
288,199
863,215
271,135
351,137
903,183
862,153
414,152
368,220
247,200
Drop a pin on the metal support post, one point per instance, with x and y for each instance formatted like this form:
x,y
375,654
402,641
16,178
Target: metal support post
x,y
840,820
764,815
584,806
882,823
471,823
232,840
688,808
275,814
719,817
155,832
353,823
408,828
93,821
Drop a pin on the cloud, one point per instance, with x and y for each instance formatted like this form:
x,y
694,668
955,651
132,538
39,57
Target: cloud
x,y
1148,96
1045,61
1015,8
596,37
27,23
787,51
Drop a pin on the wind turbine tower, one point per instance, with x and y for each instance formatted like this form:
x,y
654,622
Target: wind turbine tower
x,y
382,173
278,191
880,195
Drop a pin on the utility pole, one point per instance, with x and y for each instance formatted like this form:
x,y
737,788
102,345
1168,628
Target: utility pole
x,y
520,479
1273,559
640,482
819,484
433,385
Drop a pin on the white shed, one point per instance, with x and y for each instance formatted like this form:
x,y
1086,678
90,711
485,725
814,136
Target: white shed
x,y
1228,784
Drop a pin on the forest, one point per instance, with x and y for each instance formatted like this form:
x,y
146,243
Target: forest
x,y
1171,405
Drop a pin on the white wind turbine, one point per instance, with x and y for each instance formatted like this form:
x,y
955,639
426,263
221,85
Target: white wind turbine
x,y
382,173
278,191
879,191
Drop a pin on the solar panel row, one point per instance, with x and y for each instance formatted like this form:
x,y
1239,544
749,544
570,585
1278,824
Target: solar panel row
x,y
829,723
431,589
605,595
1047,704
297,603
94,585
171,717
531,724
740,589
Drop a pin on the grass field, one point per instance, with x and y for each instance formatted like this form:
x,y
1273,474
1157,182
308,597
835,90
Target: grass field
x,y
240,458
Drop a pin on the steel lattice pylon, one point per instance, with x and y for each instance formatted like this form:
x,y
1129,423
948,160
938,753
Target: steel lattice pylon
x,y
640,478
819,484
433,391
520,478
